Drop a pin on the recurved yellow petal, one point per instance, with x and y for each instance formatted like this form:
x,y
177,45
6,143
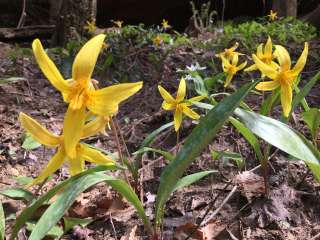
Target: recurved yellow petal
x,y
242,66
268,47
260,51
286,99
301,61
168,106
86,59
267,86
190,113
235,60
253,67
48,68
264,68
95,126
228,80
76,165
53,165
177,119
166,96
39,133
283,57
181,93
225,62
73,129
105,101
94,156
196,99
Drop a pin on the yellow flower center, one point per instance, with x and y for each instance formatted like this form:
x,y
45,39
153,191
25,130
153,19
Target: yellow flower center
x,y
232,69
284,77
267,59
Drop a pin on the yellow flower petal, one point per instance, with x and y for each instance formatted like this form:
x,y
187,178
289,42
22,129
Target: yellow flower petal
x,y
72,130
76,165
283,57
260,51
196,99
235,60
94,156
95,126
228,80
242,66
264,68
267,86
166,96
168,106
190,113
181,93
48,67
268,47
234,47
177,119
286,99
253,67
225,62
39,133
86,59
105,101
53,165
301,61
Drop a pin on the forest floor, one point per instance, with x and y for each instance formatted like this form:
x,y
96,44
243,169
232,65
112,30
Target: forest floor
x,y
226,205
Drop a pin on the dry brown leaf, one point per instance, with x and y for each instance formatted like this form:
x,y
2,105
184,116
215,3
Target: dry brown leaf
x,y
251,184
131,235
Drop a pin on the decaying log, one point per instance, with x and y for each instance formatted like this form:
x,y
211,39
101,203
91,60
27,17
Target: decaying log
x,y
28,32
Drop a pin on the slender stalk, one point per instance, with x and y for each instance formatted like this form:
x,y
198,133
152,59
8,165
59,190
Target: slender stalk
x,y
177,141
114,129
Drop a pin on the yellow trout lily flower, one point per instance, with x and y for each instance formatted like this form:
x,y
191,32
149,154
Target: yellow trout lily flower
x,y
157,40
179,105
283,77
229,53
265,54
272,16
165,24
118,23
83,152
231,68
79,91
91,26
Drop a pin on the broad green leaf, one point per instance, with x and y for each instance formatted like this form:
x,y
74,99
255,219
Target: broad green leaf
x,y
167,155
199,138
2,223
65,199
192,178
56,232
28,211
229,155
18,194
312,119
283,137
70,222
249,136
29,143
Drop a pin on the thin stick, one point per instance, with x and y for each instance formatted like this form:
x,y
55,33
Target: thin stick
x,y
234,189
114,129
121,137
23,15
315,237
113,228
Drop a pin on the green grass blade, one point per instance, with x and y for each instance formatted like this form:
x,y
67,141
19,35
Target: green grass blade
x,y
199,138
28,211
283,137
2,223
18,194
167,155
192,178
56,210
